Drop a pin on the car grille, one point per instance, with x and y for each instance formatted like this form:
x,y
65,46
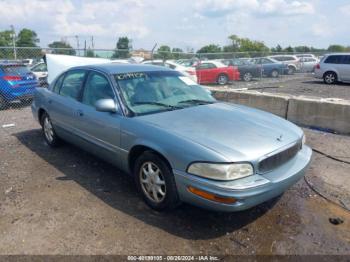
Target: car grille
x,y
279,159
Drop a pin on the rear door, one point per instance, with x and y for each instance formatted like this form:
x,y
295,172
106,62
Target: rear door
x,y
100,129
63,103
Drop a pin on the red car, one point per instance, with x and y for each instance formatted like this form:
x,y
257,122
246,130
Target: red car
x,y
210,72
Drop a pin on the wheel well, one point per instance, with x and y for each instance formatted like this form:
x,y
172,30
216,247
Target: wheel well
x,y
40,114
137,151
330,71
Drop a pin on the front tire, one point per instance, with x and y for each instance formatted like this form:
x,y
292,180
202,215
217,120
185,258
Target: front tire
x,y
291,70
155,182
49,133
330,78
222,79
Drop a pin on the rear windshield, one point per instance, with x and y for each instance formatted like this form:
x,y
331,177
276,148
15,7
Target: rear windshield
x,y
15,69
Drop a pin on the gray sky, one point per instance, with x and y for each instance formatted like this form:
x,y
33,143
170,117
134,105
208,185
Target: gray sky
x,y
182,23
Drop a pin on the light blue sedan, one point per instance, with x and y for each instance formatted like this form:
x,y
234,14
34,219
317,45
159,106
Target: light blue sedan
x,y
172,136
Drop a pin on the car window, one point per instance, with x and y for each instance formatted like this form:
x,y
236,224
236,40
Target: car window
x,y
96,87
40,68
333,59
346,59
206,66
265,61
57,84
72,83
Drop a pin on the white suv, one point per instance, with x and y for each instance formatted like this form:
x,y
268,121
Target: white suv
x,y
334,68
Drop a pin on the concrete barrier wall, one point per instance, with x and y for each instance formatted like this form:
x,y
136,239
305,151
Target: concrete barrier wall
x,y
328,114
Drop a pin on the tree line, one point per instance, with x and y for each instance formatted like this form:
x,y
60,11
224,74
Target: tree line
x,y
29,38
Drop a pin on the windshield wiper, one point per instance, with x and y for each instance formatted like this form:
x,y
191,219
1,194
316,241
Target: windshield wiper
x,y
197,101
170,107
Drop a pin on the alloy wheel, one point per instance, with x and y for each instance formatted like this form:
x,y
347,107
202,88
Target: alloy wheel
x,y
152,182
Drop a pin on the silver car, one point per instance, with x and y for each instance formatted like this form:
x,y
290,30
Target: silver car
x,y
290,60
334,68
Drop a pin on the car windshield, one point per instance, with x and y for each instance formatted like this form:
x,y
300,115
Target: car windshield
x,y
157,91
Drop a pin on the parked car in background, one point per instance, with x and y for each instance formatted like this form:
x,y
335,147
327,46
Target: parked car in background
x,y
247,69
215,72
187,71
290,60
17,83
333,68
271,67
307,64
177,142
40,71
305,55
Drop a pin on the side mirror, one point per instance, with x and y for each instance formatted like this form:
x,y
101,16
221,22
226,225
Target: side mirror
x,y
106,105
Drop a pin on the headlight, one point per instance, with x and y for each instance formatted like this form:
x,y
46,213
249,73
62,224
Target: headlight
x,y
221,171
303,139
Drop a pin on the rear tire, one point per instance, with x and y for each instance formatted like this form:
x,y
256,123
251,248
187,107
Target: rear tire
x,y
49,133
247,77
330,78
291,70
222,79
155,182
274,73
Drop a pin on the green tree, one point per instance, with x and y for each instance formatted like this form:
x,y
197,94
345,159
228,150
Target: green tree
x,y
68,49
123,48
302,49
177,52
28,38
6,41
89,53
289,49
210,49
163,52
245,45
336,48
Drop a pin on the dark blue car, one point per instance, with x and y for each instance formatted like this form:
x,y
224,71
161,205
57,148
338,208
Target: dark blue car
x,y
17,83
271,67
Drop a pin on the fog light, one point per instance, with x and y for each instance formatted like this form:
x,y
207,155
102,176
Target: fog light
x,y
212,197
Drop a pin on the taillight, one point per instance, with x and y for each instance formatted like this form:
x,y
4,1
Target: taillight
x,y
12,78
318,66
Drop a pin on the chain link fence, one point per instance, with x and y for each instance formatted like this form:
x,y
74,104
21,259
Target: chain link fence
x,y
22,70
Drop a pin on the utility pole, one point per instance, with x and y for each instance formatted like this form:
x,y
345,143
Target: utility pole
x,y
77,37
85,48
92,42
14,41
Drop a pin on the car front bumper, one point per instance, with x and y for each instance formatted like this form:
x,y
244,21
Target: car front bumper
x,y
249,191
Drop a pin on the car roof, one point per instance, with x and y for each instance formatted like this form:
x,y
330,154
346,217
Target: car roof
x,y
114,68
337,54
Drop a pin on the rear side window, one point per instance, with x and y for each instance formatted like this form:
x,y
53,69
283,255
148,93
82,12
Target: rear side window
x,y
15,70
334,59
72,83
346,59
57,84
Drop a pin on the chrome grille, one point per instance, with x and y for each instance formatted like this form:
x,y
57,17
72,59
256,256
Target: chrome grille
x,y
279,159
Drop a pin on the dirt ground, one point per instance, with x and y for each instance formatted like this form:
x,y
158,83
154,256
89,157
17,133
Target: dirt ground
x,y
66,201
297,85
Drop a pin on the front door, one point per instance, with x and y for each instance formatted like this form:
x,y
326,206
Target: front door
x,y
100,129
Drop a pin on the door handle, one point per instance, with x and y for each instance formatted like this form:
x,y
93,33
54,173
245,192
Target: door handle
x,y
50,101
80,113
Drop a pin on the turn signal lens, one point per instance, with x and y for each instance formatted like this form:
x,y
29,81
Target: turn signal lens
x,y
212,197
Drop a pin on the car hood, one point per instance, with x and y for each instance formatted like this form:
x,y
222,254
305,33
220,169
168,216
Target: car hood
x,y
237,132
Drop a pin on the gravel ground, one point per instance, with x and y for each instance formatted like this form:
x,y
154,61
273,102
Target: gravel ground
x,y
65,201
297,85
